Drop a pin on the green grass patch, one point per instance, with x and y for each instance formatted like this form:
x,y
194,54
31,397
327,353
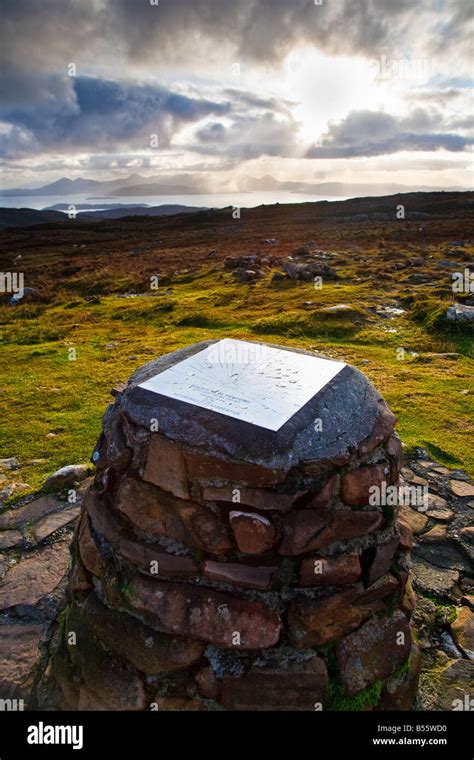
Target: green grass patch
x,y
333,326
337,701
52,407
200,320
445,611
431,312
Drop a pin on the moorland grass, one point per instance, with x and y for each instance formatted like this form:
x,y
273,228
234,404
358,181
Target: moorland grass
x,y
52,406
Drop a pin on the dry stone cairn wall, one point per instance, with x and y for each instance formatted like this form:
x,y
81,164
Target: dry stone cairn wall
x,y
217,565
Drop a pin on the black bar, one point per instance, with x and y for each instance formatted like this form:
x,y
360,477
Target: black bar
x,y
223,734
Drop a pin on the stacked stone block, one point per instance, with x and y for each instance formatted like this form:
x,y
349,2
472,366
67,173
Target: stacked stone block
x,y
207,576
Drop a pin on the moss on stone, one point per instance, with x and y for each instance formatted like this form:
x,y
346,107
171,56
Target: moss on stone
x,y
337,701
445,611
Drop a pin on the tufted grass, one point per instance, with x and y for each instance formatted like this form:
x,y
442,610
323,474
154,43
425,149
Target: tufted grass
x,y
51,407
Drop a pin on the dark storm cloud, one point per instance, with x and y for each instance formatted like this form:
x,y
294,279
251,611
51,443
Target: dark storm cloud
x,y
371,133
43,37
38,40
263,30
455,27
211,133
102,115
43,109
467,122
250,136
434,95
253,101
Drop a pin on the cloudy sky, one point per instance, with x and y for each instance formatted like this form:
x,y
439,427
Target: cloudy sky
x,y
368,91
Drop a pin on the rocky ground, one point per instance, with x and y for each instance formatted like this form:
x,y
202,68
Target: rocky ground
x,y
443,579
36,532
35,536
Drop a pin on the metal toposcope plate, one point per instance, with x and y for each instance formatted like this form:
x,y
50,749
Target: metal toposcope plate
x,y
255,383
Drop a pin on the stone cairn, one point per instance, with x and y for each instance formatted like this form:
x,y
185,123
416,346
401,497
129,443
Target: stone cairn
x,y
212,570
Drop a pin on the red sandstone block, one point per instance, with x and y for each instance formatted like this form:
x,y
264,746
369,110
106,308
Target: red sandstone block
x,y
382,561
347,524
209,469
357,483
309,530
383,426
88,701
88,550
166,468
147,650
201,613
314,622
324,496
254,534
157,563
297,686
113,681
395,451
406,535
206,683
375,651
258,498
157,513
399,693
102,518
319,466
302,530
341,571
78,580
248,576
380,589
318,622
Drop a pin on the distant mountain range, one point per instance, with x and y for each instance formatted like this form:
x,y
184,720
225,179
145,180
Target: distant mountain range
x,y
339,189
189,184
80,186
134,184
